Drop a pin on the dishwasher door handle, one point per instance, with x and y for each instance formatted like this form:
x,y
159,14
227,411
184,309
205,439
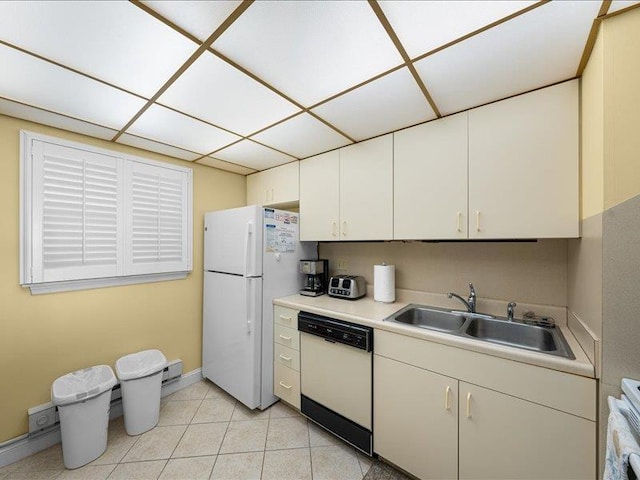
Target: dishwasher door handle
x,y
329,340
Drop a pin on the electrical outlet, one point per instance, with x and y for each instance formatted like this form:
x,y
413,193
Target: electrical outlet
x,y
342,265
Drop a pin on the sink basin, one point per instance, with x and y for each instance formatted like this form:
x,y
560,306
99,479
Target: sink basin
x,y
485,328
512,334
430,318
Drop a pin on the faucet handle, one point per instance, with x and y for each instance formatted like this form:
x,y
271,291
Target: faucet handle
x,y
511,310
472,291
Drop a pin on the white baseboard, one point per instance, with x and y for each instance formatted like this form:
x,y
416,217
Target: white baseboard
x,y
25,445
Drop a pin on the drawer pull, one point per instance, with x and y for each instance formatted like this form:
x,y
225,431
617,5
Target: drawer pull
x,y
285,358
284,385
284,317
285,338
469,405
447,395
458,224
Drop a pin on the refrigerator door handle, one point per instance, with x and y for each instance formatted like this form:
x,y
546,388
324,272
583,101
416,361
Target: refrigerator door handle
x,y
249,305
247,248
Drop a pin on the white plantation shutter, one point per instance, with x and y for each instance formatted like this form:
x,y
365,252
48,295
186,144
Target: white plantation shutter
x,y
157,219
90,217
78,214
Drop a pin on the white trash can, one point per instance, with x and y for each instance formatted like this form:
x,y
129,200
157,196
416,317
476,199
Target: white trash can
x,y
140,377
83,398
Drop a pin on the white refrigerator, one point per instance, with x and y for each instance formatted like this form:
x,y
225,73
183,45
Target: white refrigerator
x,y
251,256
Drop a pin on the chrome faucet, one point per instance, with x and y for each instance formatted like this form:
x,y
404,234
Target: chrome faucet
x,y
510,311
470,303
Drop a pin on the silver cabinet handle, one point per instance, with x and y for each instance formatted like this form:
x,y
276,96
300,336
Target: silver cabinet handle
x,y
344,228
334,225
285,338
478,221
284,317
469,405
458,221
447,395
285,358
283,385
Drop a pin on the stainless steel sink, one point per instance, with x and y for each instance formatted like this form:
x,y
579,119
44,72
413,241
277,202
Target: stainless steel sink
x,y
485,328
430,318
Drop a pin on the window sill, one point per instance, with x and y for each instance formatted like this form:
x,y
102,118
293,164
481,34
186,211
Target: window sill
x,y
88,284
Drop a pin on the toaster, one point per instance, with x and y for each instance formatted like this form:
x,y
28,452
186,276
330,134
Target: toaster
x,y
350,287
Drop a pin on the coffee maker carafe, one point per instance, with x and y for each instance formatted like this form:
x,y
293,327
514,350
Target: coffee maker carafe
x,y
316,277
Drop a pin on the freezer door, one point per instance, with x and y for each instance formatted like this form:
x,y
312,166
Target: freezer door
x,y
231,335
233,241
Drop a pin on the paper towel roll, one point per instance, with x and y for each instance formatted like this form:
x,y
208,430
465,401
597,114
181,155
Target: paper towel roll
x,y
384,283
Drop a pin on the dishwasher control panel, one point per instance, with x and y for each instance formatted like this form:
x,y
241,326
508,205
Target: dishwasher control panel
x,y
336,331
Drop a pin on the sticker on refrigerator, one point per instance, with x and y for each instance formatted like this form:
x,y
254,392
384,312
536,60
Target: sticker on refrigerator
x,y
280,238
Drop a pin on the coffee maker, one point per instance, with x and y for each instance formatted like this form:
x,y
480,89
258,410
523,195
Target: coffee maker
x,y
316,277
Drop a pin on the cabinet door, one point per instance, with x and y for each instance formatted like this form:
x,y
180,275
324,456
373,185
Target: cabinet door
x,y
320,197
366,190
415,419
276,186
523,166
430,180
504,437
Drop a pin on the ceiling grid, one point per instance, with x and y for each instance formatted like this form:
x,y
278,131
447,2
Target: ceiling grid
x,y
280,81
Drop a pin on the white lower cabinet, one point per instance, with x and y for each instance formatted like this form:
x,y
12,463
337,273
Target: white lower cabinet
x,y
286,355
416,419
504,437
432,419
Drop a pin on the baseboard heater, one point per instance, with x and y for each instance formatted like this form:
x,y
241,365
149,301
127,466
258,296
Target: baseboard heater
x,y
45,417
349,431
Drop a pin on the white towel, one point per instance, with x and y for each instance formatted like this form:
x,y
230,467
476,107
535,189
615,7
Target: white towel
x,y
620,445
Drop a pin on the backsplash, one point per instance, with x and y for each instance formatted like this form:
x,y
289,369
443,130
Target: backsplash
x,y
527,272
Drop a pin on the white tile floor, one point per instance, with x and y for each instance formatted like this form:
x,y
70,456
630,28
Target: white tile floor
x,y
204,433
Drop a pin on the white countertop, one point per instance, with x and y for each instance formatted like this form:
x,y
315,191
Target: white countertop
x,y
368,312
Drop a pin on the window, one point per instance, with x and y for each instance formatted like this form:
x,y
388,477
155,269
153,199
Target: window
x,y
91,217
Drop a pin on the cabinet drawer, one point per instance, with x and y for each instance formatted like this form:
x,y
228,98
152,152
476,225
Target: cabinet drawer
x,y
286,336
286,356
285,316
286,384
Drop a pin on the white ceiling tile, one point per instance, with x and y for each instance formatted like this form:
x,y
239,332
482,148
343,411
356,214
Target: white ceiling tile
x,y
387,104
253,155
230,167
114,41
37,115
310,50
166,126
157,147
214,91
536,49
302,136
425,25
620,4
198,18
29,80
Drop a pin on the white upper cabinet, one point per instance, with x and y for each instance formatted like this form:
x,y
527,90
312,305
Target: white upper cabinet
x,y
278,186
523,166
320,197
366,190
430,180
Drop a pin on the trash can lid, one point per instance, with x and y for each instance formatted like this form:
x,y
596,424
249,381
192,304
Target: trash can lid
x,y
141,364
82,384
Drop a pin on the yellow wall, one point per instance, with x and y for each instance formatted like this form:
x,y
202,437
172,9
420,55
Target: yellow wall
x,y
621,108
45,336
592,132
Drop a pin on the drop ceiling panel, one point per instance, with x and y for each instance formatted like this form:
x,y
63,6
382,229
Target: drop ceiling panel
x,y
425,25
198,18
166,126
35,82
253,155
230,167
157,147
216,92
310,50
389,103
620,4
27,112
114,41
302,136
536,49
